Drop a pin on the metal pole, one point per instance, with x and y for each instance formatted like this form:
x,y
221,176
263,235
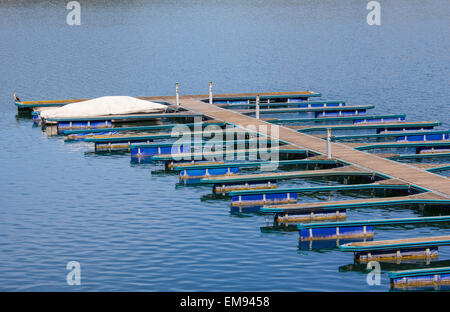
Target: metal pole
x,y
329,143
177,95
257,107
210,93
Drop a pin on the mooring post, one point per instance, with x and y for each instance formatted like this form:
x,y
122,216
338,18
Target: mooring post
x,y
329,143
257,107
177,95
210,93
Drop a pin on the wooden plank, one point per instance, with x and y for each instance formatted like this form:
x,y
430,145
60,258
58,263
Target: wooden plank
x,y
192,163
399,221
396,243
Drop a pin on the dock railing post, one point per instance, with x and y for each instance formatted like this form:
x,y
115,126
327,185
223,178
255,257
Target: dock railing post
x,y
210,93
177,95
257,107
329,143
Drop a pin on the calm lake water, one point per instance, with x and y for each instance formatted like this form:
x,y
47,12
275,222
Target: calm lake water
x,y
134,230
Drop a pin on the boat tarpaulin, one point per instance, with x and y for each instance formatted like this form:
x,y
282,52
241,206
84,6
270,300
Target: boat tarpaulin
x,y
102,106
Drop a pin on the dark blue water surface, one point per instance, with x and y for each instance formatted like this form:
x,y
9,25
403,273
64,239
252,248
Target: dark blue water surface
x,y
132,230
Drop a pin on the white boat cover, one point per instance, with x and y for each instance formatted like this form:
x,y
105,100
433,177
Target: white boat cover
x,y
106,105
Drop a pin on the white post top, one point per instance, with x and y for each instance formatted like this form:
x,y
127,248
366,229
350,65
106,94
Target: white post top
x,y
210,93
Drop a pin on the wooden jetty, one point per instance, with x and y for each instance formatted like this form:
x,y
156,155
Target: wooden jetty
x,y
258,198
28,105
71,123
306,161
260,189
369,146
357,229
424,279
289,212
341,171
255,140
219,155
282,104
382,126
354,119
166,148
428,135
431,167
397,249
197,105
421,155
163,135
204,171
203,124
179,164
265,97
108,142
344,110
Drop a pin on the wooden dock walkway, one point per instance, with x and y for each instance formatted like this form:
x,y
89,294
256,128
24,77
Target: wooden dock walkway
x,y
367,162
